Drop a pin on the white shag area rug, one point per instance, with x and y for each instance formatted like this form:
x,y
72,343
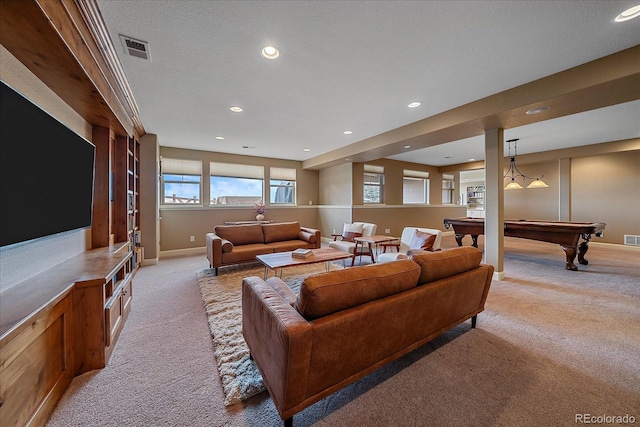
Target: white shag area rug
x,y
222,298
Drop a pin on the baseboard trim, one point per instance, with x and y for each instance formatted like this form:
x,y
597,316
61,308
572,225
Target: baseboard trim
x,y
183,252
615,246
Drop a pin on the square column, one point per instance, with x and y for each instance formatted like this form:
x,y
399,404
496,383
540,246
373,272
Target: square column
x,y
494,200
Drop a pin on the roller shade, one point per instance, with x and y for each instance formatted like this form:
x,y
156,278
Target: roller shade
x,y
181,167
415,174
236,171
283,174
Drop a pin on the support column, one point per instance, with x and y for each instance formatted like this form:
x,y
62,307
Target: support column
x,y
564,190
494,201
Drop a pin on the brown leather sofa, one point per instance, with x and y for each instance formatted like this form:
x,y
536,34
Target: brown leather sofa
x,y
234,244
344,324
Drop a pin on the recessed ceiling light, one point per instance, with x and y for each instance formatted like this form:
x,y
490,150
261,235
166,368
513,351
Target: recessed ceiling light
x,y
630,13
248,147
236,109
219,137
447,157
270,52
538,110
307,149
472,160
407,146
414,104
348,132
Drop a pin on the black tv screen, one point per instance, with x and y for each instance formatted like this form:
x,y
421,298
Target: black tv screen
x,y
46,173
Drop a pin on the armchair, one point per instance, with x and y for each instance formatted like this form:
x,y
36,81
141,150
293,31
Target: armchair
x,y
345,242
427,239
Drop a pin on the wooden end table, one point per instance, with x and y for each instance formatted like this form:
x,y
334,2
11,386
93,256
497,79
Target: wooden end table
x,y
371,240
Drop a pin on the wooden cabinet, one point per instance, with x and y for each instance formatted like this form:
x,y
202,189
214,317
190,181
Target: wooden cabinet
x,y
60,323
101,306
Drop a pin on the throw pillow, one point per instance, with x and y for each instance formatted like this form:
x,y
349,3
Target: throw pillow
x,y
422,240
350,231
227,246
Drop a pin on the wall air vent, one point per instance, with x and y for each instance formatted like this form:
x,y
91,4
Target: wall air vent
x,y
630,239
137,48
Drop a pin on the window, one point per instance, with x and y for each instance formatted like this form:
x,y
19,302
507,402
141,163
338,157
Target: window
x,y
282,186
448,189
181,181
415,187
373,184
234,184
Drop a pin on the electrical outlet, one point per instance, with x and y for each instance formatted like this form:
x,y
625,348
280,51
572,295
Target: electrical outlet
x,y
192,238
387,230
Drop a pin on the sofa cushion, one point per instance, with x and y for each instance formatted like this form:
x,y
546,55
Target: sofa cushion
x,y
227,246
325,293
281,231
422,240
438,265
240,234
306,236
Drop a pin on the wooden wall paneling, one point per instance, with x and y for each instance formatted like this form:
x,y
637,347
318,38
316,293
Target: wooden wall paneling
x,y
101,222
89,330
36,366
45,39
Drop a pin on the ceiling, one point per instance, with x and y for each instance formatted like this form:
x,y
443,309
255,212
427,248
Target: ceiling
x,y
356,65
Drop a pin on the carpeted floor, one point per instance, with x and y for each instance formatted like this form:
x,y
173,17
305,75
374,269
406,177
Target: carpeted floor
x,y
550,346
222,299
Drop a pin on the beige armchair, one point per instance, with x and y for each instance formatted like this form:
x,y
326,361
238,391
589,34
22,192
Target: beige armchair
x,y
426,239
345,242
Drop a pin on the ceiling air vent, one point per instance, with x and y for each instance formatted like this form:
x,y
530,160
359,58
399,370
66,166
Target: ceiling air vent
x,y
137,48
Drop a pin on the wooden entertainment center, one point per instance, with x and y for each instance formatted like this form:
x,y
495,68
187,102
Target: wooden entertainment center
x,y
66,320
58,324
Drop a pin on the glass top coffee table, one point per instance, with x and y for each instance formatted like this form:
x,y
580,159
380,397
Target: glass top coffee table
x,y
285,259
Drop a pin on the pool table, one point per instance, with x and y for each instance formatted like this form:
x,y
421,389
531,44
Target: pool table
x,y
565,233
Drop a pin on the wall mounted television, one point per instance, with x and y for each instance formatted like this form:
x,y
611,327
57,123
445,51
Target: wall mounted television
x,y
46,173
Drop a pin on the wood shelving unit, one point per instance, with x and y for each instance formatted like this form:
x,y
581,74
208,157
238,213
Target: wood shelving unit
x,y
58,324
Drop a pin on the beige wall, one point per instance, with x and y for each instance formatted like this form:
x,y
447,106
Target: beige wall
x,y
149,198
335,185
600,188
534,203
603,188
393,175
606,188
179,224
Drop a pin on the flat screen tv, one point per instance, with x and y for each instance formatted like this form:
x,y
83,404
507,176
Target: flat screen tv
x,y
46,173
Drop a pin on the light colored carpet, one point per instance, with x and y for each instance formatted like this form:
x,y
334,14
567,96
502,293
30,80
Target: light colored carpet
x,y
222,299
550,344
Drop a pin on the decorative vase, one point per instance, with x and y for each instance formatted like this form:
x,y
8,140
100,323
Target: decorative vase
x,y
259,217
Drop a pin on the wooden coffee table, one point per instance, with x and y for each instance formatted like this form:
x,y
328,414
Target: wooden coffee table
x,y
284,259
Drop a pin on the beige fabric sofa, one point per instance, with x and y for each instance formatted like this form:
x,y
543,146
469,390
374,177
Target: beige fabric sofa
x,y
344,324
234,244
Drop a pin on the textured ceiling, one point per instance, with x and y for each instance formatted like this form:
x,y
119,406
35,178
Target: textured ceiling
x,y
356,65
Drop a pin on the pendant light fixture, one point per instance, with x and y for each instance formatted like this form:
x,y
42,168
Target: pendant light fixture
x,y
513,185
